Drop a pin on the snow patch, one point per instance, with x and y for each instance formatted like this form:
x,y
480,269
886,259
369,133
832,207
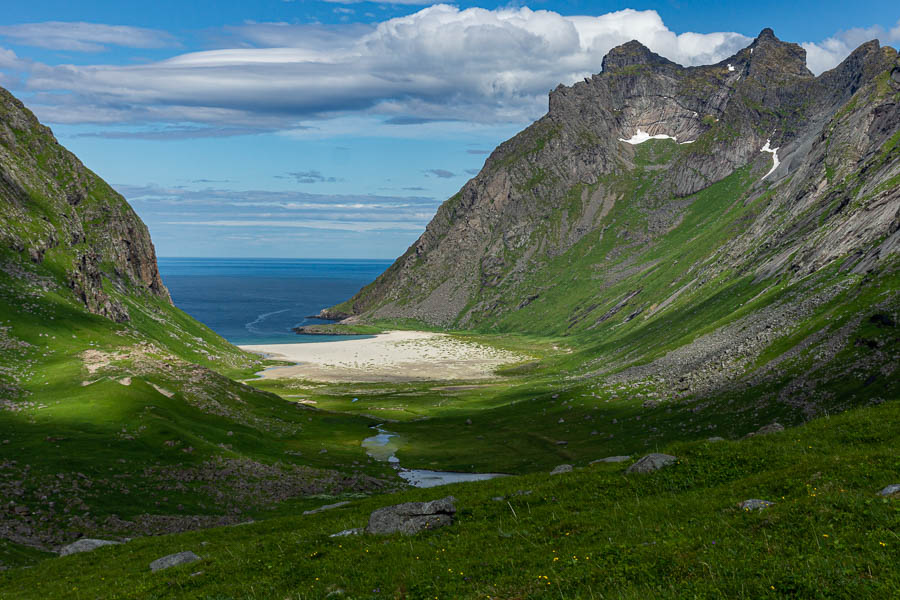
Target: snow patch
x,y
688,142
774,153
642,136
730,68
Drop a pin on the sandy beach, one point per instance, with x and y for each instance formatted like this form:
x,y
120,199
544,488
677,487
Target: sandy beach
x,y
391,356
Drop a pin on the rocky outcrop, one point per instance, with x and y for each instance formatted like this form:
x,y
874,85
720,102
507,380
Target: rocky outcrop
x,y
57,214
494,247
173,560
651,462
84,545
412,517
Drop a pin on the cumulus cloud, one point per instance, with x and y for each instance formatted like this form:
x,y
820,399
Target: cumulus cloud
x,y
827,54
440,63
84,37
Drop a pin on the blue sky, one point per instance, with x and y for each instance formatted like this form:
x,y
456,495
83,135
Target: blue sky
x,y
336,128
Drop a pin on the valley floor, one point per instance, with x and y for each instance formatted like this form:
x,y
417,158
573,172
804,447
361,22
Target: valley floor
x,y
394,356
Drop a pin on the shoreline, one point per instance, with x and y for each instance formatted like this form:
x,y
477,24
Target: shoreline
x,y
393,356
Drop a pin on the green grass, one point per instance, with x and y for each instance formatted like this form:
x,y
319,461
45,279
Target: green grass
x,y
594,533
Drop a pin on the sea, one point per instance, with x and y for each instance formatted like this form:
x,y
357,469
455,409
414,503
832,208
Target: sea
x,y
259,300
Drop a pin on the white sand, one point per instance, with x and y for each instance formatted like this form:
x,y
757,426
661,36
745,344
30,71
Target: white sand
x,y
391,356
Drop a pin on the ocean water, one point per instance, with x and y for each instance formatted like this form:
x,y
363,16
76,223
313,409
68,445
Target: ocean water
x,y
258,301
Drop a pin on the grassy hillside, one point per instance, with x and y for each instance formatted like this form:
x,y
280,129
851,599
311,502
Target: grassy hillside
x,y
592,533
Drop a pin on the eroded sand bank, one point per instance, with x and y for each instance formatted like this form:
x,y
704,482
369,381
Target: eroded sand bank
x,y
391,356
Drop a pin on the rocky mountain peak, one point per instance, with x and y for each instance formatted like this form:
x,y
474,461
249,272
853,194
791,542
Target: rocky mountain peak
x,y
633,53
774,60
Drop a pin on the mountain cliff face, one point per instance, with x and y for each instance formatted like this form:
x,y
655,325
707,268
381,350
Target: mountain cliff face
x,y
558,181
59,218
759,224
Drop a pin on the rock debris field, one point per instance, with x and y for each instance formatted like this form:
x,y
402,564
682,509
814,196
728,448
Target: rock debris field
x,y
392,356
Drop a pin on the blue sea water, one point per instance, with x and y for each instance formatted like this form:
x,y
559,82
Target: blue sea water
x,y
258,301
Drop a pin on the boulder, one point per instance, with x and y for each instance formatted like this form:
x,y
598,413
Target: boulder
x,y
84,545
410,518
766,430
890,490
651,462
715,438
559,469
755,504
610,459
173,560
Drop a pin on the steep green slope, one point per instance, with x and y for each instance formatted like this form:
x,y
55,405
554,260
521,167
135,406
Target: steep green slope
x,y
117,414
698,267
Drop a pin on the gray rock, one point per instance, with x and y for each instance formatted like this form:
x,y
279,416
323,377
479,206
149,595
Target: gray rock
x,y
347,532
715,438
84,545
173,560
766,430
651,462
890,490
326,507
610,459
561,469
755,504
412,517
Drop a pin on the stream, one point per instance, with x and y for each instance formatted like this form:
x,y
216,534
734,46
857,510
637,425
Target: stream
x,y
384,446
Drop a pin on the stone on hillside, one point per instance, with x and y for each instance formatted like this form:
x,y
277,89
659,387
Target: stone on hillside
x,y
410,518
651,462
172,560
766,430
347,532
561,469
610,459
890,490
326,507
84,545
755,504
715,438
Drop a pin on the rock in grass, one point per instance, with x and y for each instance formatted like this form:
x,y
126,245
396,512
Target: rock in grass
x,y
755,504
610,459
84,545
890,490
410,518
172,560
326,507
766,430
347,532
559,469
651,462
715,438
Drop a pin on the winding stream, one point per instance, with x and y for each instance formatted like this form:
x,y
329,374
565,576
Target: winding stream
x,y
384,446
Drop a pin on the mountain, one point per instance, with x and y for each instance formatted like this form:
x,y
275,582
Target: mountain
x,y
67,220
760,228
119,413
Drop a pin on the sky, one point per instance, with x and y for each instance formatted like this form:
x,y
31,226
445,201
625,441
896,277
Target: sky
x,y
335,128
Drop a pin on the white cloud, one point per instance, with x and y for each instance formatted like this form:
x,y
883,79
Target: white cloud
x,y
473,65
438,64
84,37
827,54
